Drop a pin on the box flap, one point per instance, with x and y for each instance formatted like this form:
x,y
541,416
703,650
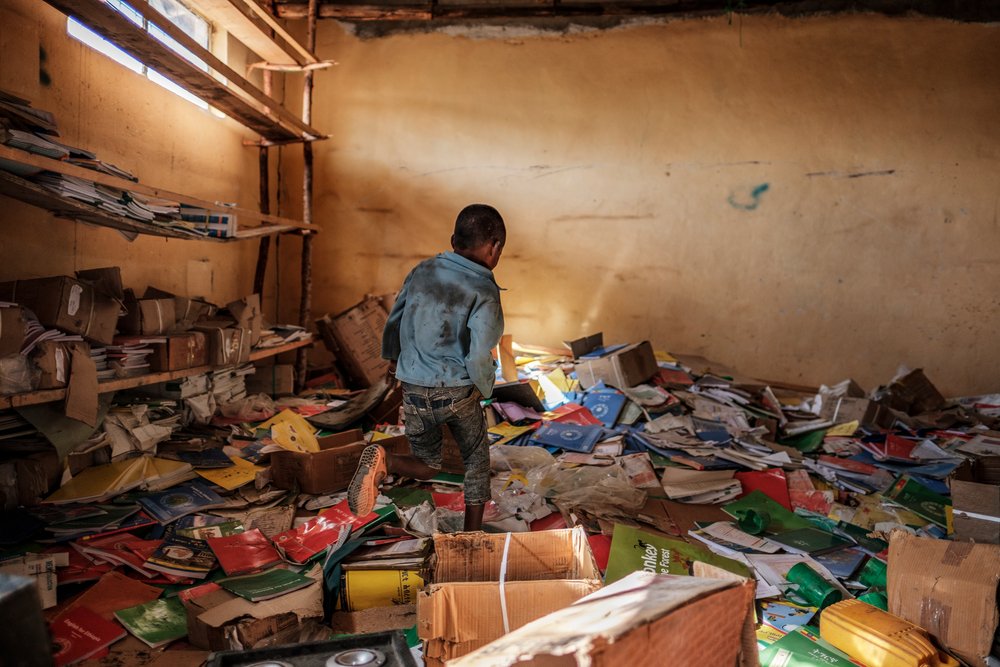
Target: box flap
x,y
947,588
550,554
351,437
304,603
582,346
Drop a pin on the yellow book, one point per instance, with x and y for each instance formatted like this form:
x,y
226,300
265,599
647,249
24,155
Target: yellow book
x,y
242,472
507,432
291,431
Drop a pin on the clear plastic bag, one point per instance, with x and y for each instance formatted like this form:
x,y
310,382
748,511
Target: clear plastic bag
x,y
17,374
596,489
255,408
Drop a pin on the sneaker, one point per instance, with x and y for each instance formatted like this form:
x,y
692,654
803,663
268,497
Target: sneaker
x,y
363,489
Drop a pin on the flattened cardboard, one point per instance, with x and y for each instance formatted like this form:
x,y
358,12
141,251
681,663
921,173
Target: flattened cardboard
x,y
377,619
81,394
695,621
218,618
947,588
624,368
976,506
545,571
67,304
11,330
182,350
582,346
355,338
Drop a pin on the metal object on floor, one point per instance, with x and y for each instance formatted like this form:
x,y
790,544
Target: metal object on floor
x,y
379,649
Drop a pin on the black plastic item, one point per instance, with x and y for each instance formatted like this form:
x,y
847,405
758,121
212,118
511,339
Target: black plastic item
x,y
379,649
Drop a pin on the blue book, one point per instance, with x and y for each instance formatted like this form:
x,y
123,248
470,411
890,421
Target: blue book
x,y
170,505
842,563
605,405
569,437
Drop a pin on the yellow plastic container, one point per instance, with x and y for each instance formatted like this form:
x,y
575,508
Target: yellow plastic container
x,y
878,638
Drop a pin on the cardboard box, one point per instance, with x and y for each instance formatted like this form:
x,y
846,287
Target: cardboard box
x,y
187,311
975,506
545,571
217,620
329,469
693,620
623,368
247,313
273,379
182,350
68,304
52,359
11,330
376,619
228,344
355,338
947,588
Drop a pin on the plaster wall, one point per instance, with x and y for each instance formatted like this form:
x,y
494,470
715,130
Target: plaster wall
x,y
131,122
802,199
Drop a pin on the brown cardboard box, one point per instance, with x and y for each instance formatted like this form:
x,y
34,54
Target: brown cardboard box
x,y
355,338
376,619
273,379
228,344
67,304
247,313
219,620
975,506
187,311
37,475
53,361
947,588
624,368
182,350
545,571
329,469
692,620
11,330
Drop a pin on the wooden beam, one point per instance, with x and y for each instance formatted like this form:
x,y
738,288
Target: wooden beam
x,y
131,38
60,167
304,52
245,25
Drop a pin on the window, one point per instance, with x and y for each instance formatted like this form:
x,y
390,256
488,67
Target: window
x,y
185,19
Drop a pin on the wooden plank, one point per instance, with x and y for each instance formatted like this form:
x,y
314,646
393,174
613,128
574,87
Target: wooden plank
x,y
266,17
63,207
269,104
248,28
68,169
353,12
138,43
50,395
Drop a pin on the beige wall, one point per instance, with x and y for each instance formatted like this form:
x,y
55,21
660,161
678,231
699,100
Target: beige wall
x,y
625,163
137,125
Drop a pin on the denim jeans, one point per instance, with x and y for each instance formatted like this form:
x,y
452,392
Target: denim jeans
x,y
426,409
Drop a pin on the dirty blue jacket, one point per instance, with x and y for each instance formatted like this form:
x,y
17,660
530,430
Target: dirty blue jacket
x,y
444,325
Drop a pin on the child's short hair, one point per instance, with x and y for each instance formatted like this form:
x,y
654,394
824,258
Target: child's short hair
x,y
477,225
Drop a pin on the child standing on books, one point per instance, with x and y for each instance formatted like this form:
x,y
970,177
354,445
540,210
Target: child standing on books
x,y
439,340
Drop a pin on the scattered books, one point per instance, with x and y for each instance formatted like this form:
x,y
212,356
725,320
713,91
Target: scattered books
x,y
183,557
245,552
155,623
265,585
170,505
80,634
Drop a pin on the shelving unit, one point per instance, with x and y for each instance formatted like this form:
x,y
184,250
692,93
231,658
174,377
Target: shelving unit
x,y
32,193
49,395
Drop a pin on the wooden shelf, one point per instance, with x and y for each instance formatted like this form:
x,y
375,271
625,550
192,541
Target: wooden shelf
x,y
49,395
241,101
258,29
32,193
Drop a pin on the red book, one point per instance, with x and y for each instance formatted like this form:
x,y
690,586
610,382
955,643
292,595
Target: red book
x,y
847,465
554,521
452,501
244,552
668,376
771,483
601,546
572,413
80,634
812,500
315,535
115,549
341,513
895,448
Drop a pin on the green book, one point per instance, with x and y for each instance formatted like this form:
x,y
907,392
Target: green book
x,y
265,585
782,520
633,550
155,623
810,541
920,500
802,649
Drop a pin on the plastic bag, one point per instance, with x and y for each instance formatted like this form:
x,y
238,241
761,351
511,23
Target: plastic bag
x,y
596,489
255,408
17,374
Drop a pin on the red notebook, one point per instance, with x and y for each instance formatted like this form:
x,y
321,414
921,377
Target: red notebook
x,y
244,552
302,543
80,634
341,513
572,413
771,483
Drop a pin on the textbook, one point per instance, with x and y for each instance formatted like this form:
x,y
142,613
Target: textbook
x,y
156,623
80,633
244,552
183,557
265,585
633,550
172,504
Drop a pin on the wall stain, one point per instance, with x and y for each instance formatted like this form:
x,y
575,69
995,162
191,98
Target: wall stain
x,y
755,196
858,174
578,218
